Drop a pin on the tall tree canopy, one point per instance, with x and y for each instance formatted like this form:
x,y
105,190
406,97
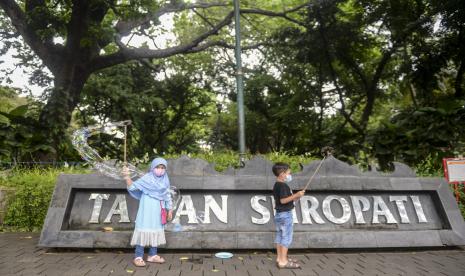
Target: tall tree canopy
x,y
74,39
379,78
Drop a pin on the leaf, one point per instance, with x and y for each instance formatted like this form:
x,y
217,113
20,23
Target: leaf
x,y
4,120
19,111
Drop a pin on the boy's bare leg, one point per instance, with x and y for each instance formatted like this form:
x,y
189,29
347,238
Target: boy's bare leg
x,y
278,252
284,254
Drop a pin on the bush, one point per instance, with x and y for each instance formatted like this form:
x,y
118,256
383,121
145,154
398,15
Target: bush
x,y
430,168
226,159
27,209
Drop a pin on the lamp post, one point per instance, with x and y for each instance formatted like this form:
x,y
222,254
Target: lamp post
x,y
239,83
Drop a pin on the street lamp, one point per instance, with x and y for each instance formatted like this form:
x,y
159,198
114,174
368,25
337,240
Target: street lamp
x,y
239,83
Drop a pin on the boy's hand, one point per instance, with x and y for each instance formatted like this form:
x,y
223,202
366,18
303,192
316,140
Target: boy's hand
x,y
300,193
170,215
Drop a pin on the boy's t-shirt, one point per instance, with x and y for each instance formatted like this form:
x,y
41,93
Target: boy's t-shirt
x,y
281,190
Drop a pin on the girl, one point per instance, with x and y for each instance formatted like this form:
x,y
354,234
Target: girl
x,y
152,191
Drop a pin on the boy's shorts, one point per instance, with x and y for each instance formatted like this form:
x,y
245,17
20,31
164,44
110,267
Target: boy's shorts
x,y
284,228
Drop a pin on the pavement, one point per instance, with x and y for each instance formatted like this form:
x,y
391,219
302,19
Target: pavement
x,y
19,255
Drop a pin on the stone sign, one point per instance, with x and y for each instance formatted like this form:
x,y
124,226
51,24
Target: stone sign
x,y
343,208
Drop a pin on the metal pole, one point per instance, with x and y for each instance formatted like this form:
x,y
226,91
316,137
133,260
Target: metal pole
x,y
239,82
125,135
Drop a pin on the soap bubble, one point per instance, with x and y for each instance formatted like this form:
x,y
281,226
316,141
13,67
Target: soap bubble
x,y
174,226
110,168
175,195
201,217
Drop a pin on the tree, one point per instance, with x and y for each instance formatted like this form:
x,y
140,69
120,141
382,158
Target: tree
x,y
167,115
349,69
92,31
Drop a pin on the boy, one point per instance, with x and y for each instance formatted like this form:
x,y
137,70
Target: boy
x,y
284,201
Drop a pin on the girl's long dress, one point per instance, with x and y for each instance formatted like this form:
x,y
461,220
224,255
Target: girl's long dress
x,y
148,230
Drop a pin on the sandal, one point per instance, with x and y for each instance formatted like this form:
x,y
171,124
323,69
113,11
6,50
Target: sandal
x,y
155,259
289,265
290,260
139,262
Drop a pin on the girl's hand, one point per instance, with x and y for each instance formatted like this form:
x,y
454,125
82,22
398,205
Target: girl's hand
x,y
170,215
125,171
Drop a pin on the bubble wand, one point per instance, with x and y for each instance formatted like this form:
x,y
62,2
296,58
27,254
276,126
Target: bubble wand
x,y
125,124
326,151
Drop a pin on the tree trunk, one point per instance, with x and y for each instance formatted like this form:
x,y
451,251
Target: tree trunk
x,y
55,117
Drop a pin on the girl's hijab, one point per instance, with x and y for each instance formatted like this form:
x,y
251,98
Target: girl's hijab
x,y
151,184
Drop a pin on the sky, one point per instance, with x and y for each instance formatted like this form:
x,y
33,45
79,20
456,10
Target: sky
x,y
20,75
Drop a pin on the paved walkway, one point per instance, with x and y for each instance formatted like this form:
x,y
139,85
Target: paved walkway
x,y
20,256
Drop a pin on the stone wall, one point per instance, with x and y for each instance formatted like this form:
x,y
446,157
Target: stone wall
x,y
343,208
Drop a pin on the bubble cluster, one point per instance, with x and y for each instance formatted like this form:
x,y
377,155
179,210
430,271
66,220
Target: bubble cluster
x,y
110,168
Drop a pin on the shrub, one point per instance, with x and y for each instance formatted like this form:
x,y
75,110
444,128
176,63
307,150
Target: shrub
x,y
27,209
226,159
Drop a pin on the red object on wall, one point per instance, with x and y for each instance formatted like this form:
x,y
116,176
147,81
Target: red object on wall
x,y
456,175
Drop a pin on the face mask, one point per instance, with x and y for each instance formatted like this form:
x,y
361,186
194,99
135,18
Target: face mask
x,y
288,178
159,171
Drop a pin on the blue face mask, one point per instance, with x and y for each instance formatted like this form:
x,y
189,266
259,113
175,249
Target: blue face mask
x,y
288,178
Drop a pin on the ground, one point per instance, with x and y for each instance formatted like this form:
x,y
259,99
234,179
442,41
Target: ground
x,y
19,255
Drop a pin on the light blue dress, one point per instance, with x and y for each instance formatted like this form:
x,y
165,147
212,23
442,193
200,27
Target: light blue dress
x,y
148,230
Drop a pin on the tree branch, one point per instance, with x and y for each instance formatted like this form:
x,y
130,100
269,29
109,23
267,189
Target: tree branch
x,y
125,27
372,90
77,25
279,14
332,71
9,35
46,51
126,54
223,44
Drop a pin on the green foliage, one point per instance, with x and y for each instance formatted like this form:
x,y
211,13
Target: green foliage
x,y
374,79
19,138
167,115
431,166
427,133
33,190
230,159
461,191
